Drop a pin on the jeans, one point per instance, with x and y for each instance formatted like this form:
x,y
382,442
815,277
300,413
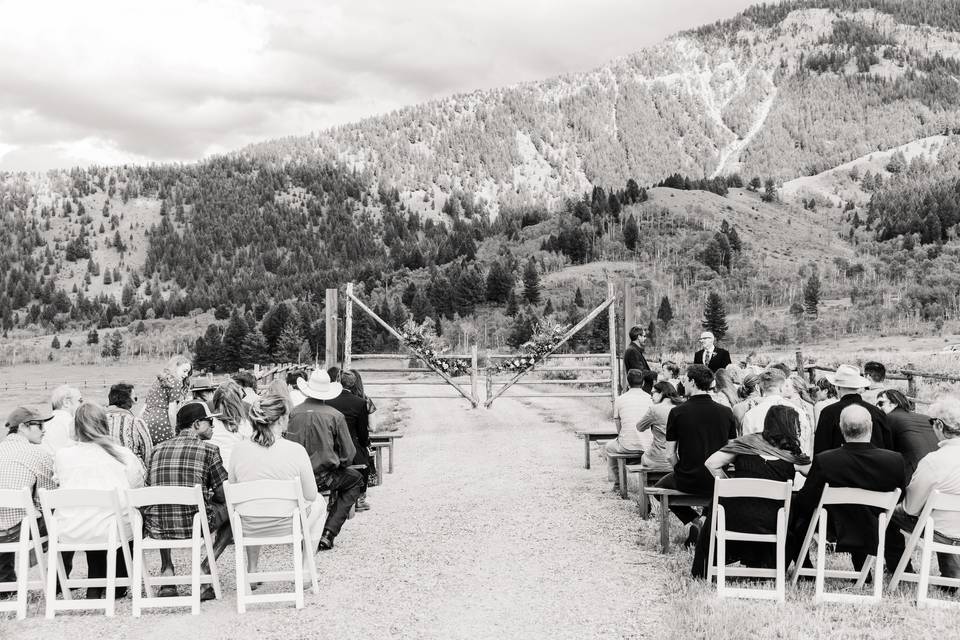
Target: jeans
x,y
686,514
97,568
345,485
949,563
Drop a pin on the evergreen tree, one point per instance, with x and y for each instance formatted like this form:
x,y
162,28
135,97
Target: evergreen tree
x,y
715,316
287,348
93,337
769,191
499,283
272,325
932,229
469,290
232,355
598,339
531,282
420,308
207,350
522,330
665,313
631,232
548,308
56,342
409,293
69,344
113,348
811,296
652,332
735,243
512,308
254,349
578,298
633,191
440,293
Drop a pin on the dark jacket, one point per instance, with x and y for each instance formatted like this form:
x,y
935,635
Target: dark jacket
x,y
354,410
719,360
323,432
633,358
859,465
828,435
912,436
700,427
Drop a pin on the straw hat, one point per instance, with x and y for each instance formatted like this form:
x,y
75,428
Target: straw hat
x,y
319,387
848,377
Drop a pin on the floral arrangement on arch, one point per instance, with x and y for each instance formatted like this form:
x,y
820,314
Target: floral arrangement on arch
x,y
544,340
425,345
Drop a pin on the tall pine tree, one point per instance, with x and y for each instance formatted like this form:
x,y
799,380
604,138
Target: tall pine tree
x,y
232,354
715,316
631,232
811,296
665,313
531,282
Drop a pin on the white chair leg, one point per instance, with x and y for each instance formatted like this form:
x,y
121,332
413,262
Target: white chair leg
x,y
54,563
111,576
923,584
242,584
721,531
298,562
23,570
821,557
137,582
781,557
195,572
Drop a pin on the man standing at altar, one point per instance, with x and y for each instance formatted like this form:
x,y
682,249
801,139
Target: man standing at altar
x,y
633,357
710,354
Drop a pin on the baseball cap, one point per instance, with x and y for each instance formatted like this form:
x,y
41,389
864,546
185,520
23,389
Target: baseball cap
x,y
25,414
193,411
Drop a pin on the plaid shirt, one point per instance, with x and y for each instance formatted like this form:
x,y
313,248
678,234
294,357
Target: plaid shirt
x,y
23,464
182,461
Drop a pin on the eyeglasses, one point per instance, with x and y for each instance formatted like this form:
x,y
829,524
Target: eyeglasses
x,y
35,423
881,403
702,338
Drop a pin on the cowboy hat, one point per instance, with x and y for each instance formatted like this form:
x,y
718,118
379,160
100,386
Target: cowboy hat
x,y
319,387
848,377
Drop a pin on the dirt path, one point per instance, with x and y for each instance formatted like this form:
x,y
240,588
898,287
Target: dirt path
x,y
489,528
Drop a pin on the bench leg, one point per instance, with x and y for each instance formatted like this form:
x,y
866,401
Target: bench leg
x,y
642,500
390,458
665,524
622,473
379,457
586,452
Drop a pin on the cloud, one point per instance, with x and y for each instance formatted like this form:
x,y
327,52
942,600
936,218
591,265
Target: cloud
x,y
111,81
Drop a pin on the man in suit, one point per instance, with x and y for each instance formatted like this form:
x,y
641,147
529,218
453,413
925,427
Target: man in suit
x,y
848,382
695,430
711,355
633,357
857,463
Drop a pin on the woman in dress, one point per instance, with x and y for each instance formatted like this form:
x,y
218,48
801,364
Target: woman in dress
x,y
233,425
270,456
96,462
773,454
168,391
665,398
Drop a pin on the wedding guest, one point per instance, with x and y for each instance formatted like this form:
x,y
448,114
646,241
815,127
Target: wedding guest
x,y
296,396
876,373
665,398
670,372
125,427
165,395
230,419
248,383
796,393
913,433
356,412
96,462
749,396
628,410
724,391
59,432
771,385
826,395
633,357
849,382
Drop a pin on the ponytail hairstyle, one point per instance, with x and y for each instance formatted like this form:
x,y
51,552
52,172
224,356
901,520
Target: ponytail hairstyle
x,y
668,391
92,426
228,401
264,413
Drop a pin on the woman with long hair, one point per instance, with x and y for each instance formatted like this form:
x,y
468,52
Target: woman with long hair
x,y
233,425
665,398
168,391
912,432
826,395
773,454
267,455
795,392
97,461
724,391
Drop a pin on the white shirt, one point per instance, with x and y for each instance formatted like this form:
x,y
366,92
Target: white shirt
x,y
297,397
754,418
58,432
630,409
938,470
88,466
225,440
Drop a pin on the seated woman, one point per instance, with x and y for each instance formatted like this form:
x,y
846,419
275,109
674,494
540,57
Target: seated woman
x,y
96,462
270,456
665,398
233,425
773,454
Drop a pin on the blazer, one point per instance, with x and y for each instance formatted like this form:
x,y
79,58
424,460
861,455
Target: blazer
x,y
633,358
855,464
913,437
828,435
719,360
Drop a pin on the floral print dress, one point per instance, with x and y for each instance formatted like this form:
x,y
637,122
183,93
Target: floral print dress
x,y
165,390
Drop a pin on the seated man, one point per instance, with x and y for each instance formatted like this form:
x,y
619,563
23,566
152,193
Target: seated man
x,y
59,431
940,471
848,383
186,460
860,464
629,410
323,432
771,383
296,398
876,373
23,464
696,429
248,383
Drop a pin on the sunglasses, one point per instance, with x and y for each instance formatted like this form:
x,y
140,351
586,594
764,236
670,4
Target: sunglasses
x,y
881,403
35,423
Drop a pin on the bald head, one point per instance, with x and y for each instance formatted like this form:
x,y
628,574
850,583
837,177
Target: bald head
x,y
856,424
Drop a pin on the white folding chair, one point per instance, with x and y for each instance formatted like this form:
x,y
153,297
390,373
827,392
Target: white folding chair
x,y
30,540
846,496
51,501
242,500
753,488
926,526
200,539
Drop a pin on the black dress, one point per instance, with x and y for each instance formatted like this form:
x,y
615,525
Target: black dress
x,y
747,515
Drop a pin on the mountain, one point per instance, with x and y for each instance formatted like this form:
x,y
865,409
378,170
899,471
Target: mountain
x,y
781,90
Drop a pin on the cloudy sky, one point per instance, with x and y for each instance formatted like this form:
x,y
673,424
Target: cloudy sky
x,y
110,81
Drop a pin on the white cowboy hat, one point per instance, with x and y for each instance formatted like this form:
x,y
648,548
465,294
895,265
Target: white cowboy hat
x,y
319,386
848,377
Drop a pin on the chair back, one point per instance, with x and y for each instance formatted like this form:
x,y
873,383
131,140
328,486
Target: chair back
x,y
18,499
147,496
942,502
53,499
243,497
850,495
752,488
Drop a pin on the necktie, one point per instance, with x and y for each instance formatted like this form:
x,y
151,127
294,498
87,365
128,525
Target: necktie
x,y
706,357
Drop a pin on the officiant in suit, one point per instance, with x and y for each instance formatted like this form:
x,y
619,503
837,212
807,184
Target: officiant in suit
x,y
633,357
711,355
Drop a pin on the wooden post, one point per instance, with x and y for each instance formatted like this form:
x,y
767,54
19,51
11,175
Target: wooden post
x,y
629,309
911,381
799,363
474,374
612,325
348,328
330,324
489,388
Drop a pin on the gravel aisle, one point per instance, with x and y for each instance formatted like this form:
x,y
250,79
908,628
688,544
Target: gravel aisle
x,y
488,528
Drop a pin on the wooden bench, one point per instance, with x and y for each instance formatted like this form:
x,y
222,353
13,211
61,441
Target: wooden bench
x,y
676,498
649,476
380,440
593,435
622,459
